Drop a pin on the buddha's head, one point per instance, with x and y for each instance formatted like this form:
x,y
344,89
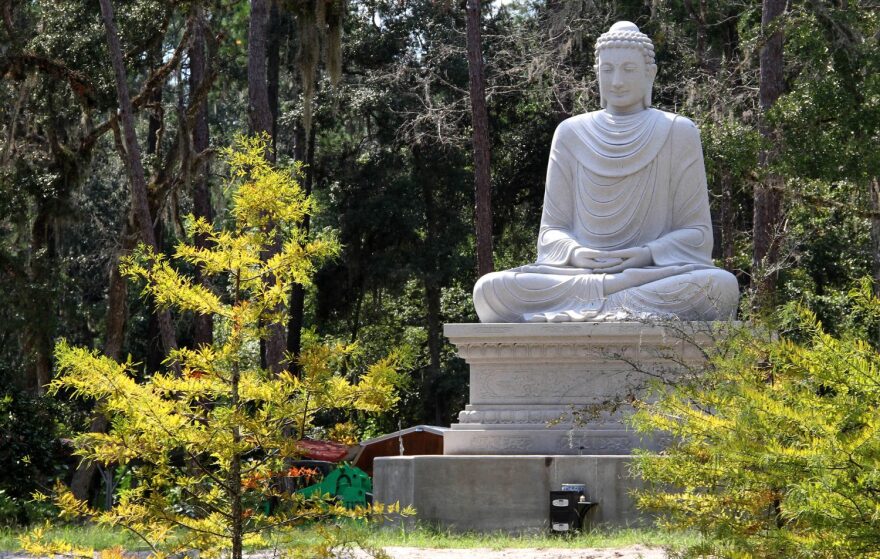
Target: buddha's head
x,y
625,68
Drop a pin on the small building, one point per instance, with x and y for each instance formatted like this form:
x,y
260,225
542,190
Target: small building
x,y
418,440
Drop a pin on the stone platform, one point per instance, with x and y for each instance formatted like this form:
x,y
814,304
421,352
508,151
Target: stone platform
x,y
563,388
505,493
547,406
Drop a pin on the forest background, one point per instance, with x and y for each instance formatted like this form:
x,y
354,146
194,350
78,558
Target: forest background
x,y
374,97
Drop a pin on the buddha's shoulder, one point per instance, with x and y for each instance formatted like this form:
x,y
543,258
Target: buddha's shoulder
x,y
570,125
681,124
668,125
588,120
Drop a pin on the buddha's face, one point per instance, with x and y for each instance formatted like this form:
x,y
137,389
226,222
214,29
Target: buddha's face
x,y
624,79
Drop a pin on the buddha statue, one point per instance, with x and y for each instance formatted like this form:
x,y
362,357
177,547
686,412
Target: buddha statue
x,y
625,231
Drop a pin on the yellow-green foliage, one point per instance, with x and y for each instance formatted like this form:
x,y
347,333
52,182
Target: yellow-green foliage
x,y
209,446
777,450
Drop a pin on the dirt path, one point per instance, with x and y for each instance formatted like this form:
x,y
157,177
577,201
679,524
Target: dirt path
x,y
632,552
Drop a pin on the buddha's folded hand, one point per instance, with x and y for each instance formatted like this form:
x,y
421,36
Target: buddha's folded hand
x,y
593,259
634,257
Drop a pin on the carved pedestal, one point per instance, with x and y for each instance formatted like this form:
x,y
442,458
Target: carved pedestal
x,y
528,383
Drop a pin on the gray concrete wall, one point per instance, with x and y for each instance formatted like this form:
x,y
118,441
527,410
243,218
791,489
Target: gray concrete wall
x,y
507,493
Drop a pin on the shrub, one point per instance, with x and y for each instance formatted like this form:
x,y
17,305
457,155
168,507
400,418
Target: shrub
x,y
777,447
31,455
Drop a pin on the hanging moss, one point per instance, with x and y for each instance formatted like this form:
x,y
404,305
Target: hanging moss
x,y
321,13
319,31
309,54
334,39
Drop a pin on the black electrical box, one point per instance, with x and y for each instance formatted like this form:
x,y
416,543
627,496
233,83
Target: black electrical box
x,y
564,513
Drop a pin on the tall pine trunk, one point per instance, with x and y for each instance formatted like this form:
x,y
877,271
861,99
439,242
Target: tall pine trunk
x,y
431,279
875,233
155,354
436,406
261,121
203,326
114,325
37,335
133,162
141,217
480,121
767,218
302,152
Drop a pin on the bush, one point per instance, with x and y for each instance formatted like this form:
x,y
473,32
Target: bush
x,y
777,447
31,455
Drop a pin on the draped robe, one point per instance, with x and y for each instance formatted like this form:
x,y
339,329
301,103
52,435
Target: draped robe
x,y
616,182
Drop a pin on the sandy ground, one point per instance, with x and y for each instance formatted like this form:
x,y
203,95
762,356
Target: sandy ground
x,y
632,552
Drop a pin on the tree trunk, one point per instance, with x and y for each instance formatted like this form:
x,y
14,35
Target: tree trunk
x,y
728,241
480,120
261,121
114,321
298,294
154,121
259,110
203,327
768,195
134,164
435,403
432,281
273,63
875,233
155,346
699,17
234,481
37,342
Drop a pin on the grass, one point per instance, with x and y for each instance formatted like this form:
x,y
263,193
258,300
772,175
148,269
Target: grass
x,y
98,537
427,537
89,535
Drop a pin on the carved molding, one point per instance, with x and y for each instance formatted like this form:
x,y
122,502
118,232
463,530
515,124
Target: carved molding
x,y
525,376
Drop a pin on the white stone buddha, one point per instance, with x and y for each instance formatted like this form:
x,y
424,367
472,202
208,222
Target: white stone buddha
x,y
625,232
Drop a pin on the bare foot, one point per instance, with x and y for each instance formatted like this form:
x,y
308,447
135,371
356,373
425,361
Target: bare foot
x,y
559,317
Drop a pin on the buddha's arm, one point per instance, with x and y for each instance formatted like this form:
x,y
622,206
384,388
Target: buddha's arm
x,y
556,243
689,240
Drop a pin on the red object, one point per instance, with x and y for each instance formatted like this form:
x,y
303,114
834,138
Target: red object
x,y
418,440
322,450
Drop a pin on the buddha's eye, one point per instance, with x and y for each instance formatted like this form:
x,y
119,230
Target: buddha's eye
x,y
606,68
629,68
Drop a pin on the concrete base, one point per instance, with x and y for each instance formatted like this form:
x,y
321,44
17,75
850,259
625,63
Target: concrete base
x,y
506,493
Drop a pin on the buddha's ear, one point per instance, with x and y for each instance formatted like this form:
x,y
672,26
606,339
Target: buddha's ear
x,y
650,72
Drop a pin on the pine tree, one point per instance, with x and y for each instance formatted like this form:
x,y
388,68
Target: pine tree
x,y
208,447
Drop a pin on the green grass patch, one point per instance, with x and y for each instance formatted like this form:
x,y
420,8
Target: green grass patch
x,y
427,537
87,535
100,537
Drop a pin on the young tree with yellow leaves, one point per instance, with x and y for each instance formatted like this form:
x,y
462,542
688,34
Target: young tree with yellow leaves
x,y
776,448
208,447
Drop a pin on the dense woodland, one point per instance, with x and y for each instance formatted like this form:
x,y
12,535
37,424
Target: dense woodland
x,y
380,100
